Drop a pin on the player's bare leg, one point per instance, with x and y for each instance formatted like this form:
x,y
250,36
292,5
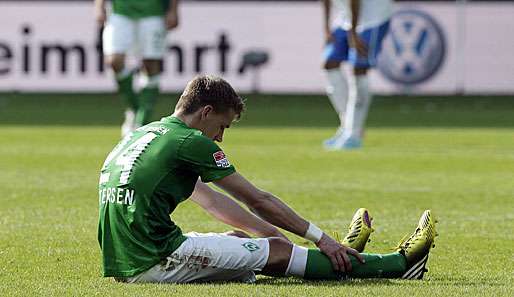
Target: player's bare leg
x,y
312,264
116,62
280,252
287,259
149,91
124,78
337,92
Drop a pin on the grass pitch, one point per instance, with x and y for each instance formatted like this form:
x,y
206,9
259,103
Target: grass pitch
x,y
453,155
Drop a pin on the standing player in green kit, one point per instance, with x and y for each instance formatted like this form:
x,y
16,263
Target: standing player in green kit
x,y
138,25
164,163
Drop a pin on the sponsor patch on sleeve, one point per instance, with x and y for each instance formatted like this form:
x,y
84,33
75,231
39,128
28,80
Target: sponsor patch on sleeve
x,y
221,160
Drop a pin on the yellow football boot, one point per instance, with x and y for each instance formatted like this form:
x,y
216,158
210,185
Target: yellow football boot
x,y
417,247
359,230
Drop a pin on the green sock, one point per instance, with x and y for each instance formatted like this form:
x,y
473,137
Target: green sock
x,y
377,266
147,99
127,91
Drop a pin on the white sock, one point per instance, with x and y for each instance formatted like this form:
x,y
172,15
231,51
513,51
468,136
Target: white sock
x,y
298,261
337,91
150,81
359,100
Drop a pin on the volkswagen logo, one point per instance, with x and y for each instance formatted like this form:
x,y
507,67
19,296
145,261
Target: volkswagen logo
x,y
414,49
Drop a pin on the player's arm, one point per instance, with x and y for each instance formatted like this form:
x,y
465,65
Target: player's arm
x,y
100,13
172,15
263,204
229,212
276,212
355,41
326,20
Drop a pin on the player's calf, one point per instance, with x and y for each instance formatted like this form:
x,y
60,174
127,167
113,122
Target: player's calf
x,y
116,62
280,254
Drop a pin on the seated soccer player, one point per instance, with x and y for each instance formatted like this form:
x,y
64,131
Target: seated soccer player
x,y
164,163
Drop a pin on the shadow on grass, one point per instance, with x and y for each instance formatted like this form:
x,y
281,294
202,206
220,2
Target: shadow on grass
x,y
292,281
288,281
466,282
267,111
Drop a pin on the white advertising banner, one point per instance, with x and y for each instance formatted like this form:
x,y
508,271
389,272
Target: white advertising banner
x,y
271,46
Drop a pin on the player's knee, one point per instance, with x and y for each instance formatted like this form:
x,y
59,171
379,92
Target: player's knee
x,y
360,71
279,255
116,62
327,65
152,67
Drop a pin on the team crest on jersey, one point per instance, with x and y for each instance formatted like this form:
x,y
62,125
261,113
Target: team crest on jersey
x,y
221,160
252,247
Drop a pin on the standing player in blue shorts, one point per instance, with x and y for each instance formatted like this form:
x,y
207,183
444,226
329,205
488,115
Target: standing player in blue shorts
x,y
357,36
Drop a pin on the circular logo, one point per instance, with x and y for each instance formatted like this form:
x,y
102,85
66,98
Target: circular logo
x,y
413,50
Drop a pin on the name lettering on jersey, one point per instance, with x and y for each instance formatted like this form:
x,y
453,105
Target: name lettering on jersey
x,y
221,160
157,129
116,195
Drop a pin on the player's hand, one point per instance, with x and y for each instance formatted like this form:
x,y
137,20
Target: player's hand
x,y
171,20
338,253
100,16
357,43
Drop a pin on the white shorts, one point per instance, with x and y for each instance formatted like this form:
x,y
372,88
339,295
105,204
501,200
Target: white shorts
x,y
209,257
145,37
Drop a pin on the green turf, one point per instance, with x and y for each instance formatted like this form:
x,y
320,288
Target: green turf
x,y
268,110
441,154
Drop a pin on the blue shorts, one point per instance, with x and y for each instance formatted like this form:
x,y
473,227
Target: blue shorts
x,y
339,50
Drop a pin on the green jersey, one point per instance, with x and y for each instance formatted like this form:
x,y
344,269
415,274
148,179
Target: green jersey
x,y
136,9
142,181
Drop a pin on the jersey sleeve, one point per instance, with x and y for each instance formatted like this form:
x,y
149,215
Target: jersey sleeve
x,y
204,157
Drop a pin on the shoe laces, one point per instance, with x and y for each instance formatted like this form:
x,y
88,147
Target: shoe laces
x,y
407,240
336,236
